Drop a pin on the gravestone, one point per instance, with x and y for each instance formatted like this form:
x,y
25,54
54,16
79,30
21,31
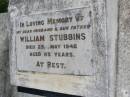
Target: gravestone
x,y
64,46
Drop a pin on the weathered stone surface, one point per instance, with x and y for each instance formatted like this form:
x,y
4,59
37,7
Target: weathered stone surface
x,y
88,86
64,83
100,82
6,89
123,66
4,52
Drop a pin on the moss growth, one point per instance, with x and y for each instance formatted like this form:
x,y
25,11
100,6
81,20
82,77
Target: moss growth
x,y
3,6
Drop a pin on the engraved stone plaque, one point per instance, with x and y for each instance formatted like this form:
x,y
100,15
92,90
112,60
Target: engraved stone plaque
x,y
64,46
55,42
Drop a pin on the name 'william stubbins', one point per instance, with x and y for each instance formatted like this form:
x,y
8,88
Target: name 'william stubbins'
x,y
54,37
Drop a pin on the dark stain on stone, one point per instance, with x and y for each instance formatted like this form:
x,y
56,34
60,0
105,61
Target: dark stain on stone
x,y
88,26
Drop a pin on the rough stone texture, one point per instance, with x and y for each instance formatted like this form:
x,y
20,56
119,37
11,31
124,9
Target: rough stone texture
x,y
6,90
4,54
123,71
